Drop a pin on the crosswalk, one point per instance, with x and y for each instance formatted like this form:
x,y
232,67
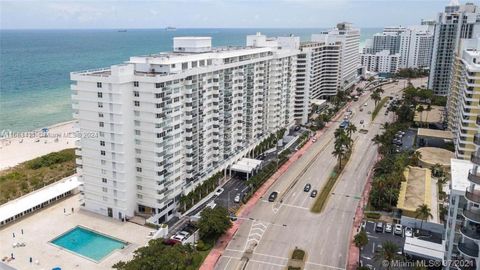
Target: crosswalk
x,y
255,234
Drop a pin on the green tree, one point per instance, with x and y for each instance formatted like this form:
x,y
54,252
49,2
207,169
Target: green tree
x,y
361,239
415,158
375,96
420,110
423,212
157,255
213,223
351,129
388,252
339,152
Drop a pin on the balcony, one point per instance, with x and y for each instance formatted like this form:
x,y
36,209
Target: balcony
x,y
471,214
470,250
475,159
478,120
476,139
474,177
471,231
473,196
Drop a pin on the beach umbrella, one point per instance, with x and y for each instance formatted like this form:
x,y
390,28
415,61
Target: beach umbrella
x,y
56,268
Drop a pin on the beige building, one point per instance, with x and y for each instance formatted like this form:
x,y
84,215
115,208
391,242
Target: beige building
x,y
464,101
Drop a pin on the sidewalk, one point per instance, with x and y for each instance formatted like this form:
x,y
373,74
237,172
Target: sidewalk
x,y
353,251
215,254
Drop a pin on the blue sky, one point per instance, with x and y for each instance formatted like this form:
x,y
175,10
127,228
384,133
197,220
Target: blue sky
x,y
68,14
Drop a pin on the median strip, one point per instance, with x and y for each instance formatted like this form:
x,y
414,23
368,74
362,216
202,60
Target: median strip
x,y
379,107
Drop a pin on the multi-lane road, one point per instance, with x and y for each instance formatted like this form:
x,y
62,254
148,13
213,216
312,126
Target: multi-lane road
x,y
272,230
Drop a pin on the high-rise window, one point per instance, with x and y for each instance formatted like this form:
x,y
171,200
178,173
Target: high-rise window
x,y
135,83
99,85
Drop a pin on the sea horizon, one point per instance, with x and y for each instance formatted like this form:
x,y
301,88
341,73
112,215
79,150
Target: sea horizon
x,y
36,63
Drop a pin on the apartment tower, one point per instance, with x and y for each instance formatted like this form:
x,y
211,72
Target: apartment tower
x,y
168,121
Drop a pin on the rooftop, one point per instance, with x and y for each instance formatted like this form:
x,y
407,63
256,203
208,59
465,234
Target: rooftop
x,y
12,208
434,133
459,172
416,190
435,115
434,155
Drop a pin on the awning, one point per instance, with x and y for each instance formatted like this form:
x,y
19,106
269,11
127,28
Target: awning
x,y
424,249
246,165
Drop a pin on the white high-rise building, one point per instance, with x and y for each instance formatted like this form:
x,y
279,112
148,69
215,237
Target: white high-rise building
x,y
166,122
349,38
381,62
318,75
414,44
455,23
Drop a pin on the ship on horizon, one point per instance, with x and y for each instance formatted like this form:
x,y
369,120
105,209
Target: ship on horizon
x,y
170,28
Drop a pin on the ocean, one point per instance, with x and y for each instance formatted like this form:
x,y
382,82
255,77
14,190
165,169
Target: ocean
x,y
35,64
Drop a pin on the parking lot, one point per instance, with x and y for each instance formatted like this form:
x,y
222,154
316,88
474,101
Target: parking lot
x,y
375,241
231,189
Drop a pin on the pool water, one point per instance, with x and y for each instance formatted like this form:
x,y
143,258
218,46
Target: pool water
x,y
88,243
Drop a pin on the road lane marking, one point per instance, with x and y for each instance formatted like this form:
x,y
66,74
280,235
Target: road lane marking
x,y
324,265
273,256
268,263
294,206
228,262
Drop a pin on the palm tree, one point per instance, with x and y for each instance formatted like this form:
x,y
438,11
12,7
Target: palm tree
x,y
428,109
415,158
437,170
420,110
423,212
351,129
379,90
388,252
339,153
376,97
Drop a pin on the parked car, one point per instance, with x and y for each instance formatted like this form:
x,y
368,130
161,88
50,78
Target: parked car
x,y
313,194
379,227
361,109
307,187
364,224
218,191
184,234
237,198
314,139
361,122
178,237
272,196
388,228
398,229
366,104
408,232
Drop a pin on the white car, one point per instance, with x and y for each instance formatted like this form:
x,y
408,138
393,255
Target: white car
x,y
388,228
237,198
184,234
408,232
314,139
398,229
178,237
218,191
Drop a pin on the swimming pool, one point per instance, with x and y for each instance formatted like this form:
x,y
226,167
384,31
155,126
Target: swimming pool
x,y
88,243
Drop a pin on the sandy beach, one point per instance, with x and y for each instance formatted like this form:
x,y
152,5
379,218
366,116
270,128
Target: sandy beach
x,y
17,147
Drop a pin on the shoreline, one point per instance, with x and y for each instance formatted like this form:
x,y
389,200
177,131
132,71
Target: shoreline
x,y
19,147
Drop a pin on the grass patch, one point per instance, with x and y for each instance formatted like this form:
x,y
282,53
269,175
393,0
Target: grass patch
x,y
322,198
373,215
35,174
298,254
378,107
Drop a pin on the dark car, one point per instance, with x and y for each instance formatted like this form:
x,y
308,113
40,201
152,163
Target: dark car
x,y
313,194
272,196
307,187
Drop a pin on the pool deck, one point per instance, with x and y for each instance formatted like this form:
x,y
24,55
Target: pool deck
x,y
43,226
